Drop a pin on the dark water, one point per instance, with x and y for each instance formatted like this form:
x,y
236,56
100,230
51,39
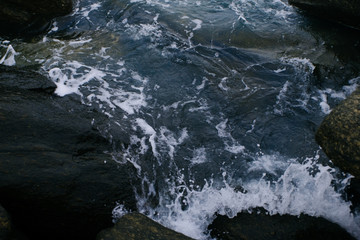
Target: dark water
x,y
220,101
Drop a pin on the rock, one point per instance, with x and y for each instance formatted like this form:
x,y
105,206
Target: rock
x,y
25,78
135,226
31,16
344,11
56,178
339,134
259,225
5,224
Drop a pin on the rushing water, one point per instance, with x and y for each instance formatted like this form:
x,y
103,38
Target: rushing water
x,y
220,100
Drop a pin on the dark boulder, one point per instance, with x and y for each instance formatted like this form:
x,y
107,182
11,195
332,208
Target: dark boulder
x,y
5,224
344,11
21,16
261,226
135,226
339,134
57,177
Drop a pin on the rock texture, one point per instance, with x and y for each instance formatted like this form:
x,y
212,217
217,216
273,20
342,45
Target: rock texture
x,y
135,226
339,134
23,15
260,226
344,11
56,178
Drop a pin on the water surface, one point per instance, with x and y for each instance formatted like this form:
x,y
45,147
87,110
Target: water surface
x,y
219,100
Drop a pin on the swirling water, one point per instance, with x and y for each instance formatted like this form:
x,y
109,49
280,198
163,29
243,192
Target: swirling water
x,y
219,100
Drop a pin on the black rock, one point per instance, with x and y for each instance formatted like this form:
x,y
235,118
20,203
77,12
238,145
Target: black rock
x,y
23,16
56,178
25,78
261,226
343,11
5,224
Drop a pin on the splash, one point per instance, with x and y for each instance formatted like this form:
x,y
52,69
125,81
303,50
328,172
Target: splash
x,y
301,188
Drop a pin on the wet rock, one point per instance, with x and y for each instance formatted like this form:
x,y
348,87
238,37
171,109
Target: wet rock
x,y
136,226
261,226
339,134
56,178
344,11
31,16
25,78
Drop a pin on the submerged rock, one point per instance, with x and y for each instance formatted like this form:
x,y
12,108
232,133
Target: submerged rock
x,y
135,226
339,135
19,16
261,226
56,178
344,11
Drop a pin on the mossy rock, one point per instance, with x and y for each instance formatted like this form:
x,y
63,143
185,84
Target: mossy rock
x,y
136,226
339,135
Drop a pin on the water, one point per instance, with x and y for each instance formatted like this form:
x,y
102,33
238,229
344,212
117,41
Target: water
x,y
220,101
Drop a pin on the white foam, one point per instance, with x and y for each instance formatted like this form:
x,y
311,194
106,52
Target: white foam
x,y
72,76
303,64
198,23
93,7
168,139
78,43
119,211
222,84
340,95
280,70
231,145
325,108
252,127
199,156
298,190
202,85
269,164
131,102
145,127
148,130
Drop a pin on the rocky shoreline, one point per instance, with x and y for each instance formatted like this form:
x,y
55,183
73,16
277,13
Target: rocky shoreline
x,y
58,179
